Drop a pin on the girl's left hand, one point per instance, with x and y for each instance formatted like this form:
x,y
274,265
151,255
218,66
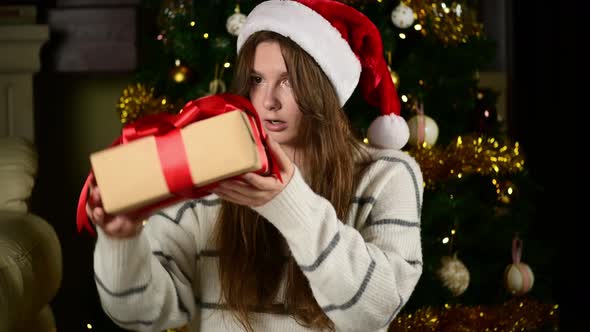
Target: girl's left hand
x,y
256,190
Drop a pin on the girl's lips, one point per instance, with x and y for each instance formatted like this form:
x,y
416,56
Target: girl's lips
x,y
277,126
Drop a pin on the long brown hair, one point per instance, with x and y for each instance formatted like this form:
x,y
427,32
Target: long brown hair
x,y
253,259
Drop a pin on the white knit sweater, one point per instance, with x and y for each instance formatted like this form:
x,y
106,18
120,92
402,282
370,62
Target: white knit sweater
x,y
361,271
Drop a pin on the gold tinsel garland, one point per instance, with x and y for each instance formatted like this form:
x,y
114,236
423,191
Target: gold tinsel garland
x,y
138,100
451,22
466,155
517,314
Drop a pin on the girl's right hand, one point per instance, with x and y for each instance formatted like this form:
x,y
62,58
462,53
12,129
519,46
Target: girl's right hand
x,y
121,226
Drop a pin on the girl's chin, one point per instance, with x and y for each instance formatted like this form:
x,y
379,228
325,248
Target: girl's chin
x,y
281,139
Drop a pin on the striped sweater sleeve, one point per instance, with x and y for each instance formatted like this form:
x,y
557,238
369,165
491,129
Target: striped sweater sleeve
x,y
144,283
360,275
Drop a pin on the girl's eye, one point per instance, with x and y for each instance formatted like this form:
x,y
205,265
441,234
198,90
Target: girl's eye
x,y
256,79
287,83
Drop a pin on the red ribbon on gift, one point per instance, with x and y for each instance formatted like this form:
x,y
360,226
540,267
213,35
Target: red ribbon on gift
x,y
166,129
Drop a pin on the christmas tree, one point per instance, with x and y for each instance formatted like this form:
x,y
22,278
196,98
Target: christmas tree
x,y
486,265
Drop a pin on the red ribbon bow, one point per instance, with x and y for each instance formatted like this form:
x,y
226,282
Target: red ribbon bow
x,y
164,125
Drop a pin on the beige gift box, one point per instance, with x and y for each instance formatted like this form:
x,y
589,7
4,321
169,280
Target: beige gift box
x,y
130,176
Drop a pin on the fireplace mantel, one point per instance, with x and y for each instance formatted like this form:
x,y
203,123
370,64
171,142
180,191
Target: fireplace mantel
x,y
19,61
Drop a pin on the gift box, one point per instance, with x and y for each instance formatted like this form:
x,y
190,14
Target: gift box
x,y
130,176
162,159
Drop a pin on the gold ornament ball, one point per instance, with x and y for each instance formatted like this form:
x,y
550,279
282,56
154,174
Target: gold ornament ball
x,y
454,274
518,278
180,74
394,77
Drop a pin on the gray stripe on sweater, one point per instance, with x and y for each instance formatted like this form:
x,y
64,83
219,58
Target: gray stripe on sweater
x,y
323,255
414,262
162,214
208,202
127,292
183,208
186,206
179,213
170,260
129,322
356,296
416,188
398,222
167,266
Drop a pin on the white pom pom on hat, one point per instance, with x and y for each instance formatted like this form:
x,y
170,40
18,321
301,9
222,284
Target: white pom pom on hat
x,y
389,132
348,48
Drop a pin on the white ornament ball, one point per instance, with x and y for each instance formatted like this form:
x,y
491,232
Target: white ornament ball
x,y
422,129
402,16
453,274
518,278
234,23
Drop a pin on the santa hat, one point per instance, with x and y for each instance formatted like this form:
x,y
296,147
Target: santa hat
x,y
348,48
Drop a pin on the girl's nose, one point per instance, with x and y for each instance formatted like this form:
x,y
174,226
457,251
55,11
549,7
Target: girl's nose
x,y
271,101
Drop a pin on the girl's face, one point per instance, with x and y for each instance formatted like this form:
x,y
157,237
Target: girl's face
x,y
272,95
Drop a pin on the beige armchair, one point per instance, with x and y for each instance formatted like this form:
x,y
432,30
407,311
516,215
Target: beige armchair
x,y
30,251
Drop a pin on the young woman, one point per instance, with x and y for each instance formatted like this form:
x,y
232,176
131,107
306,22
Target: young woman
x,y
334,246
